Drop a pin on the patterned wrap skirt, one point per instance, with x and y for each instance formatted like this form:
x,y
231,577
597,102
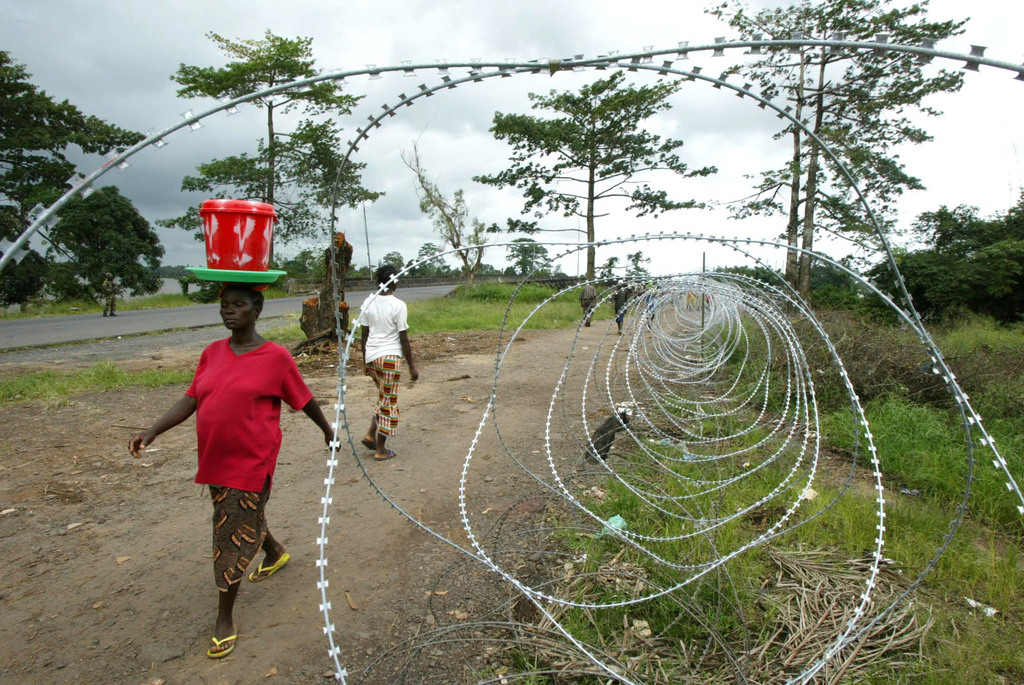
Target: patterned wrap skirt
x,y
387,371
239,528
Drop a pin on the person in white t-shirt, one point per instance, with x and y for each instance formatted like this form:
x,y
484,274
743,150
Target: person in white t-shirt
x,y
385,345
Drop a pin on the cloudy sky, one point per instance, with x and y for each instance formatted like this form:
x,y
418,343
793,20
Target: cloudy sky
x,y
113,59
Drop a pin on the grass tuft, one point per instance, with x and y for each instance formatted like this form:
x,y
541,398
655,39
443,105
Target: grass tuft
x,y
53,388
482,308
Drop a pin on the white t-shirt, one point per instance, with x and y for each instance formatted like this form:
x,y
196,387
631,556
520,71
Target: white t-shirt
x,y
385,316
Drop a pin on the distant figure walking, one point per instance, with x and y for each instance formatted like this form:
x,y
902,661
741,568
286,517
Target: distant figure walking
x,y
588,296
109,291
619,299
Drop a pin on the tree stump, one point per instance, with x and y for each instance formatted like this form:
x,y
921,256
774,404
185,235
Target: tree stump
x,y
317,320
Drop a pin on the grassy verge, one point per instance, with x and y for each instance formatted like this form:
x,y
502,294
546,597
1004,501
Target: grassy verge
x,y
740,601
70,307
54,387
477,309
483,308
286,334
923,458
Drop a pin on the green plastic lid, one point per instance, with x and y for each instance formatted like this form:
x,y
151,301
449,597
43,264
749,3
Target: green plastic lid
x,y
233,276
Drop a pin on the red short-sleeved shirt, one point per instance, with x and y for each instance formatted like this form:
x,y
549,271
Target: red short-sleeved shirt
x,y
238,412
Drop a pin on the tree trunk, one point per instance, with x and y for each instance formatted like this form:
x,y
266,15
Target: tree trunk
x,y
471,270
317,312
811,196
591,250
793,225
467,270
808,233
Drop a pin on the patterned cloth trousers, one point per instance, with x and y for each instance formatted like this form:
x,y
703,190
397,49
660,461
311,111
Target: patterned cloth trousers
x,y
387,371
239,528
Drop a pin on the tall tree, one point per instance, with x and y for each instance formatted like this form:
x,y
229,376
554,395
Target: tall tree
x,y
858,102
969,263
294,170
430,264
637,264
99,234
607,270
24,280
527,256
450,218
591,150
306,264
394,259
36,134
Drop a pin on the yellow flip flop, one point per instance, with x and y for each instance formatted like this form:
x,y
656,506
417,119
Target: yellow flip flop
x,y
221,653
262,573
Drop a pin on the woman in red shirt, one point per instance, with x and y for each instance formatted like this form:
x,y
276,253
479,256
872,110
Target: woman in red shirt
x,y
236,395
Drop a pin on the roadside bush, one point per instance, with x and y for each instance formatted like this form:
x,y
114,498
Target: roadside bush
x,y
206,292
880,359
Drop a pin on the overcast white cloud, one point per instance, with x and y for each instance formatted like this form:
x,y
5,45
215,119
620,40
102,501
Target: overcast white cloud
x,y
113,59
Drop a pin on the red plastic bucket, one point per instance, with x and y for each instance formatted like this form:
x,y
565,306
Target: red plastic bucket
x,y
238,234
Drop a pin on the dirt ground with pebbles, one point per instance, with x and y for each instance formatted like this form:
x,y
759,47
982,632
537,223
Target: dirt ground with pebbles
x,y
105,563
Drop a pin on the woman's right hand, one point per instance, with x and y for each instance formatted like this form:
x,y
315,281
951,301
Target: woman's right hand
x,y
140,440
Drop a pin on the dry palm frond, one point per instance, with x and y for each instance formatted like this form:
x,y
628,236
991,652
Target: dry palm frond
x,y
807,603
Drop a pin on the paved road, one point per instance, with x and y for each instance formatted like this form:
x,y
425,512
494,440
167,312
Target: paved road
x,y
63,329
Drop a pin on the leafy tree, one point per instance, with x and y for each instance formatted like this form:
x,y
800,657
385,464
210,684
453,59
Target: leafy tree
x,y
394,259
450,218
306,263
23,281
431,250
294,170
759,273
103,233
358,272
36,134
591,151
858,102
637,264
607,270
428,266
970,264
488,270
527,256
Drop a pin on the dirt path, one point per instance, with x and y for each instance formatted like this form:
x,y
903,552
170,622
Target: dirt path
x,y
105,574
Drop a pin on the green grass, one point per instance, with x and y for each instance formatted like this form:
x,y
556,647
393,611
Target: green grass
x,y
980,334
54,387
529,293
921,446
981,562
483,307
286,334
